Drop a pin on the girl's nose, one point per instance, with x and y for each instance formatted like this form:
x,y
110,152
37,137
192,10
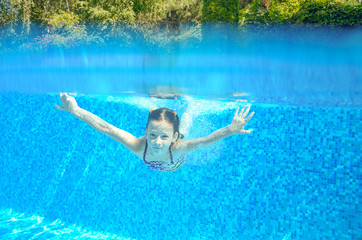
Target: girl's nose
x,y
158,141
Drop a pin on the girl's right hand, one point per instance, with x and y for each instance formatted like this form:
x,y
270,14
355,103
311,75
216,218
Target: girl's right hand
x,y
68,103
240,120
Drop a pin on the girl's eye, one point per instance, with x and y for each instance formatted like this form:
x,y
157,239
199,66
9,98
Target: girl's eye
x,y
153,135
164,137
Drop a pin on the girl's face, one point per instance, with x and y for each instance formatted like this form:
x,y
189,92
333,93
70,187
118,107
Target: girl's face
x,y
160,135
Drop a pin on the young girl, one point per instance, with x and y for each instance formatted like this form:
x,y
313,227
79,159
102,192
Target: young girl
x,y
160,148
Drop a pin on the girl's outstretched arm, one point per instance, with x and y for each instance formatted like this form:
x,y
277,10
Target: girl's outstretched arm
x,y
125,138
236,127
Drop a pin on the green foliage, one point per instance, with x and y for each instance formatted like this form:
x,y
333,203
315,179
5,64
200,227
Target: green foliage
x,y
63,19
316,12
106,12
269,12
6,12
220,11
151,12
332,13
187,11
162,11
98,14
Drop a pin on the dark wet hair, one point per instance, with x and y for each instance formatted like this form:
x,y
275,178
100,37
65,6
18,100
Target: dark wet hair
x,y
167,115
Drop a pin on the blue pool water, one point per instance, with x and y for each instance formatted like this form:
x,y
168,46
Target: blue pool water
x,y
297,176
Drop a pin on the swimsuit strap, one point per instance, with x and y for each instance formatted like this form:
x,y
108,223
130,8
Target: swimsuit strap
x,y
144,153
169,149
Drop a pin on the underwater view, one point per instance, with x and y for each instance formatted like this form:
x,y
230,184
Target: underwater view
x,y
297,175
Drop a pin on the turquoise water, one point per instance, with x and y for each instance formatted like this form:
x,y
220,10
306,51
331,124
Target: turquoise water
x,y
297,176
295,66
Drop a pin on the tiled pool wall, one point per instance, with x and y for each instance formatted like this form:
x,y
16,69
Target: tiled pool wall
x,y
297,176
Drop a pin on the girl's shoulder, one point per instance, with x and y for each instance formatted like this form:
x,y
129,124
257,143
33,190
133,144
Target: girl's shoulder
x,y
178,146
141,146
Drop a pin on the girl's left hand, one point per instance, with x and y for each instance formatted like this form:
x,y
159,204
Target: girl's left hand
x,y
68,103
239,121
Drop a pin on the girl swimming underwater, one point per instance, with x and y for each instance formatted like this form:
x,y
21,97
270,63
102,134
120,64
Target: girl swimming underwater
x,y
161,148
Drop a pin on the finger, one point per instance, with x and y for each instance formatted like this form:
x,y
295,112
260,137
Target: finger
x,y
250,116
236,113
59,107
247,131
64,96
241,112
246,112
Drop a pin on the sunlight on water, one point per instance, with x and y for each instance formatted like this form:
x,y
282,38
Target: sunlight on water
x,y
24,226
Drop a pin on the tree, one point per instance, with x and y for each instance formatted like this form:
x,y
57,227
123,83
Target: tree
x,y
220,11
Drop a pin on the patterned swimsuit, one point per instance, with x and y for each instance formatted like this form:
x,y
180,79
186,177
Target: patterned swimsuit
x,y
164,166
